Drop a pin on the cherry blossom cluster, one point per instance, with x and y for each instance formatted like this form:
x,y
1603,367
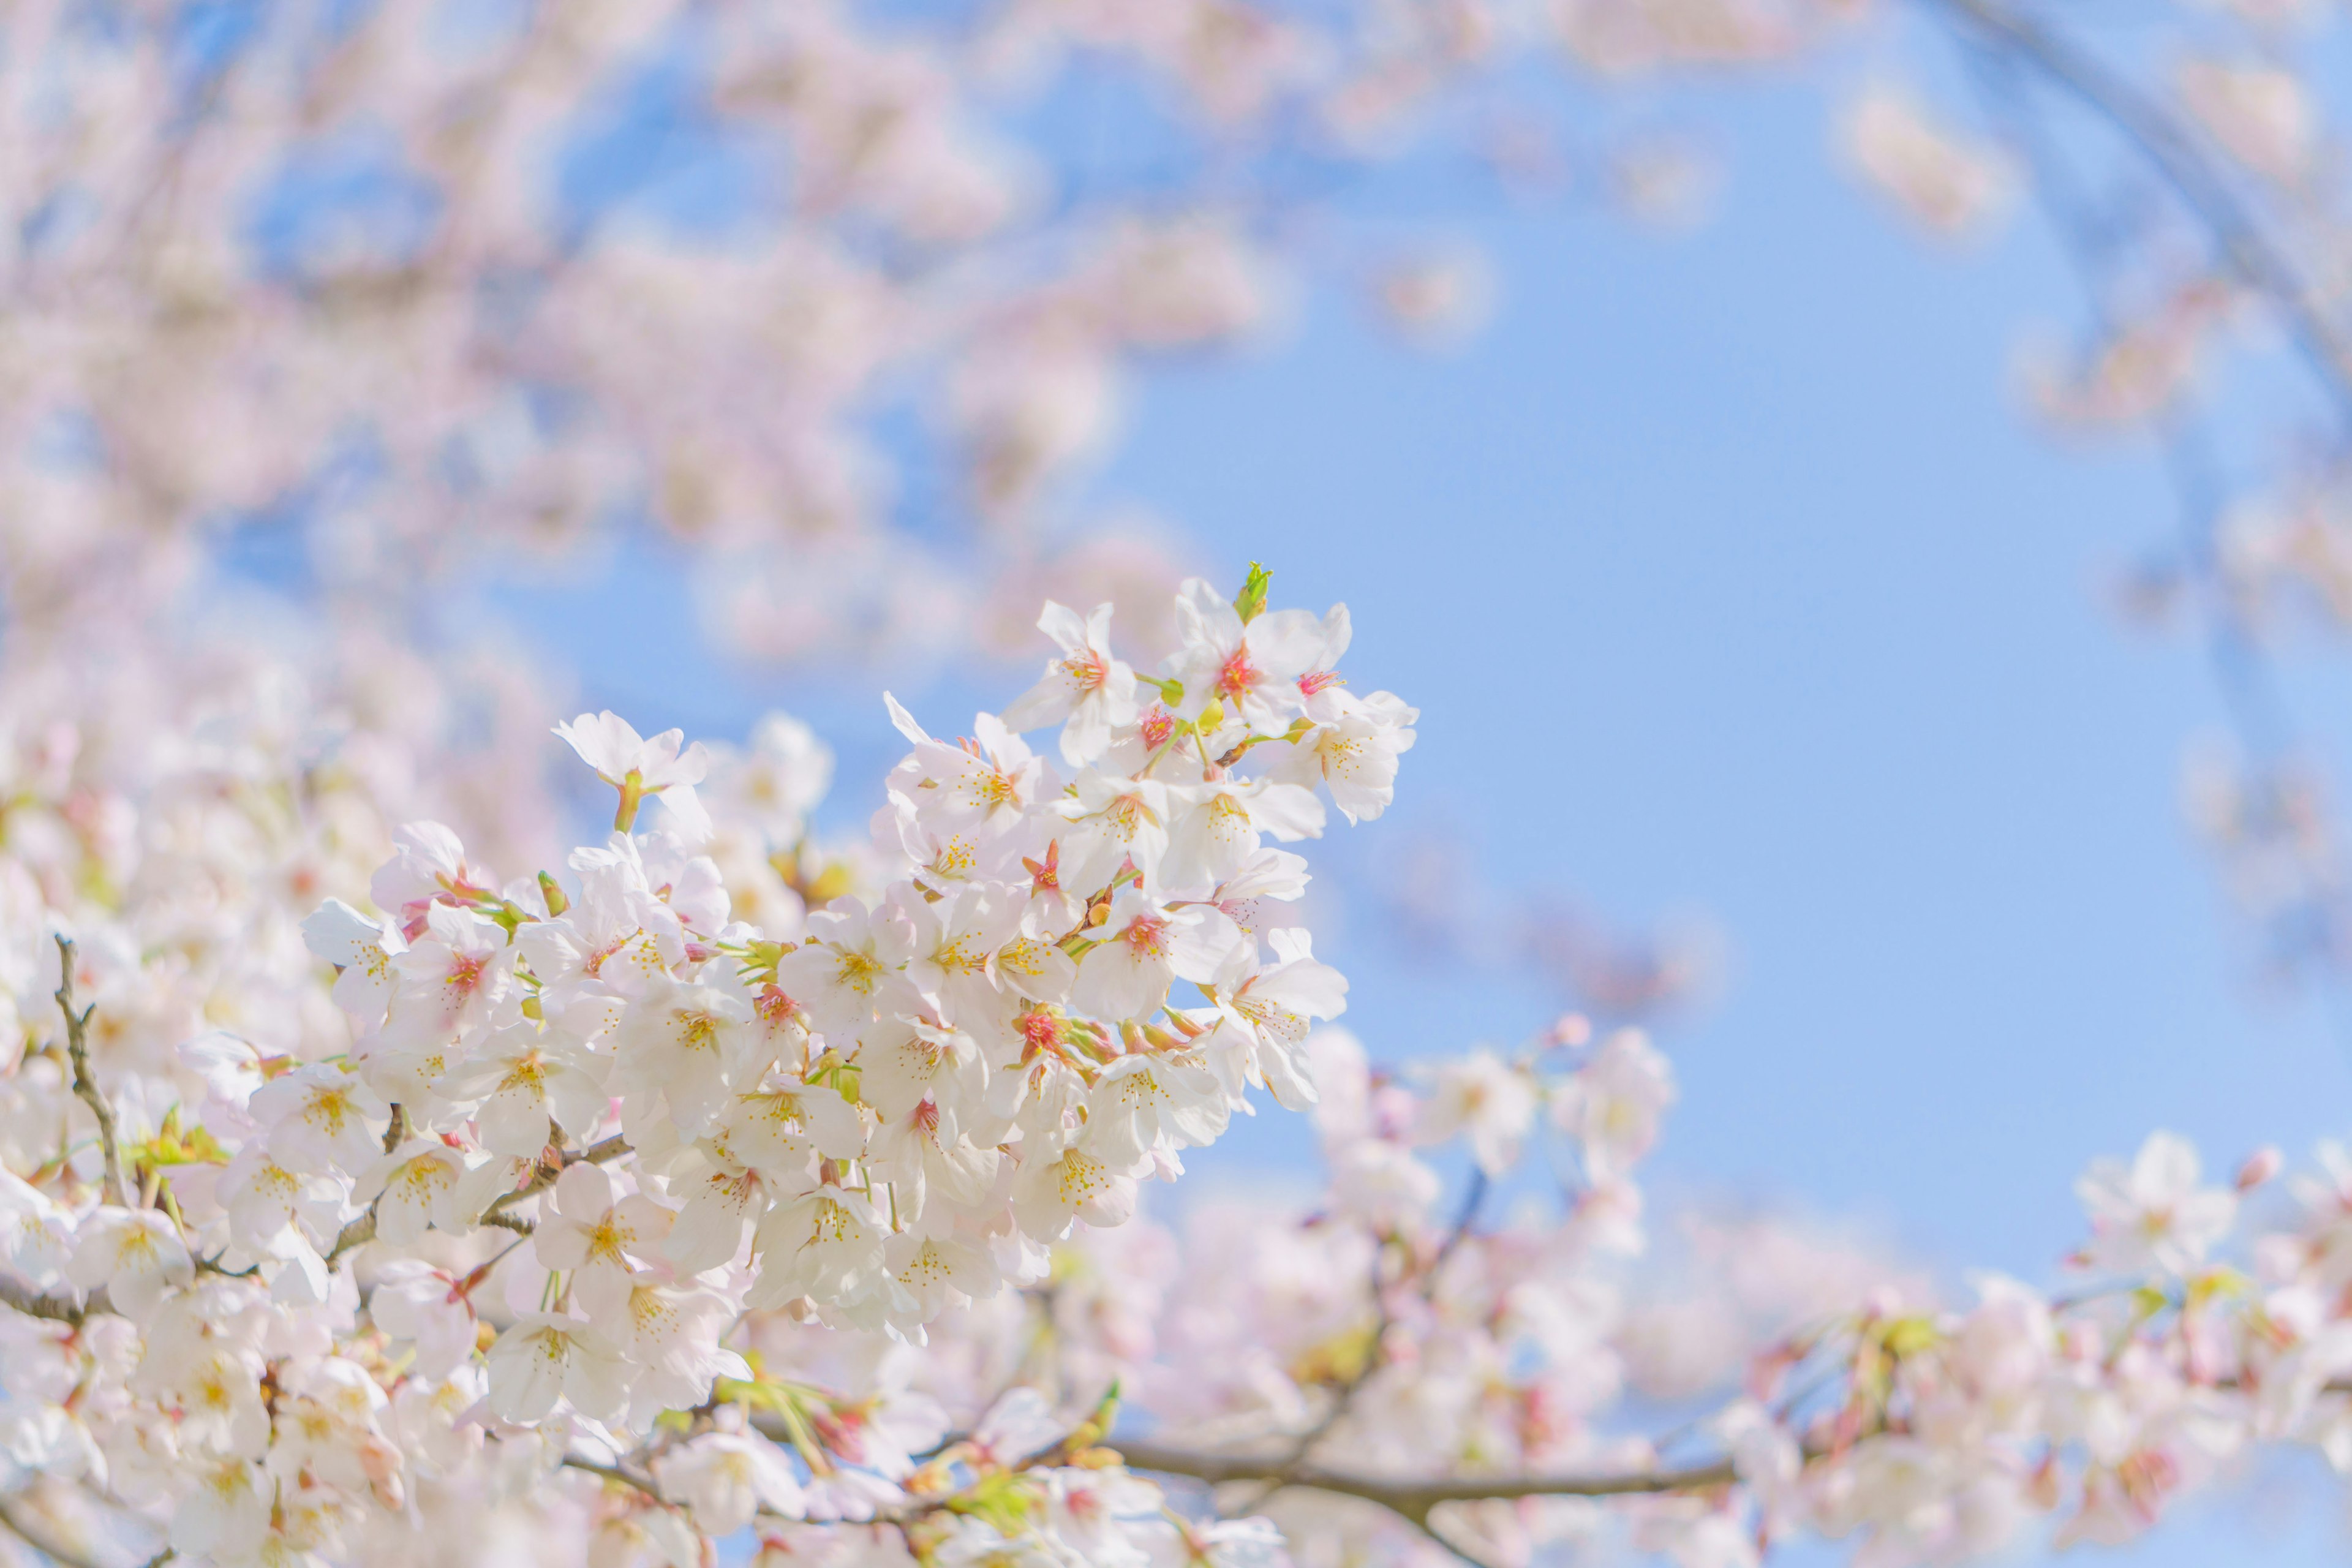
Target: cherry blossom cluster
x,y
741,1184
521,1209
1394,1375
386,272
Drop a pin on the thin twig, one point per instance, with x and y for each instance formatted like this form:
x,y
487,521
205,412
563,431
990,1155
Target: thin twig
x,y
1302,1447
2257,709
621,1475
57,1308
78,1047
1411,1498
2249,252
612,1148
361,1229
357,1233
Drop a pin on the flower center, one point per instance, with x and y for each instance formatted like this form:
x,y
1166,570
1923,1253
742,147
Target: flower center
x,y
1239,676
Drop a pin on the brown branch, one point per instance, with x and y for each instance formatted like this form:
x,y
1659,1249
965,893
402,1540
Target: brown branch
x,y
620,1476
1343,1396
358,1233
86,1086
363,1229
1413,1497
612,1148
55,1309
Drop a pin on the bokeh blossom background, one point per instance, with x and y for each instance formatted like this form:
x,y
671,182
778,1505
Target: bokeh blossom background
x,y
1787,678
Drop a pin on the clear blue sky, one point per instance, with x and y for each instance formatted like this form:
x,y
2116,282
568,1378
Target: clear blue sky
x,y
1728,578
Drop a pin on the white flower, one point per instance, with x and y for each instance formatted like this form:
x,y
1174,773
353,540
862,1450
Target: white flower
x,y
226,1514
1033,967
529,1081
361,951
1251,671
221,1407
1079,1183
689,1045
450,977
709,1230
427,861
775,782
638,767
595,1233
319,1116
901,1061
36,1236
1089,693
938,1269
615,939
1113,821
1267,1013
1354,755
784,1124
1144,1102
726,1477
414,1300
1485,1097
2153,1211
1614,1103
420,1183
851,965
826,1243
922,1151
1218,824
545,1357
135,1256
985,786
1142,949
263,1196
955,946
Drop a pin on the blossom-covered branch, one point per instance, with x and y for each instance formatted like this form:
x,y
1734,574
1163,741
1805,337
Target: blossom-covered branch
x,y
285,1298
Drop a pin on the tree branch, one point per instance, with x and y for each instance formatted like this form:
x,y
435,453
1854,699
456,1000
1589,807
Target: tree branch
x,y
358,1233
2249,252
78,1047
363,1229
612,1148
620,1476
1413,1499
55,1309
1344,1395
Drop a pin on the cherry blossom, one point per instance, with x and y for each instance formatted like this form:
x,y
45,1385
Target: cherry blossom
x,y
597,1212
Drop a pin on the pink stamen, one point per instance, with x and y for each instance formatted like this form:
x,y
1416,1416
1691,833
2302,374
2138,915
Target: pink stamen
x,y
1239,675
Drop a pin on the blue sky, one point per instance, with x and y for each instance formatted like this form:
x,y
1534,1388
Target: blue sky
x,y
1729,578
